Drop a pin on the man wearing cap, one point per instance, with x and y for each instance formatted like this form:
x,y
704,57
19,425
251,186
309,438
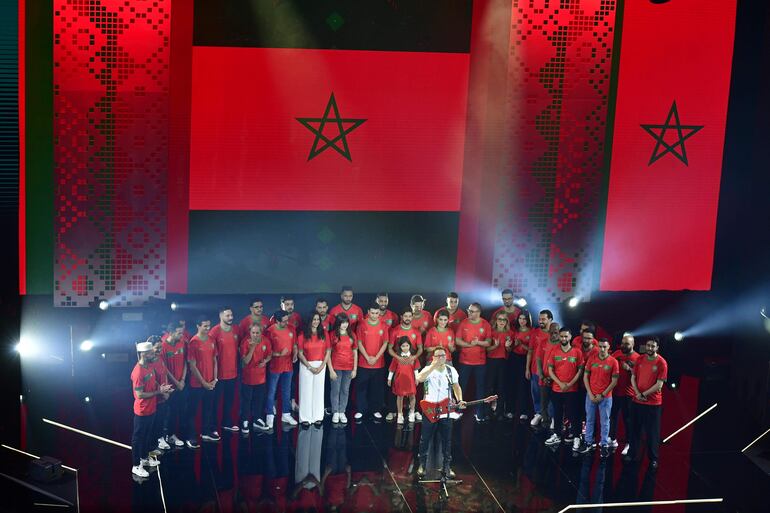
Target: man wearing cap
x,y
146,391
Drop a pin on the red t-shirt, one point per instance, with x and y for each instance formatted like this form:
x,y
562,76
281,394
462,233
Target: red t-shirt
x,y
415,337
539,341
281,339
424,322
354,313
253,374
587,353
143,380
565,365
389,318
500,352
313,348
523,337
246,322
467,331
328,323
295,322
173,357
203,354
372,337
437,338
512,316
624,388
227,351
161,371
543,353
455,318
342,351
647,372
600,372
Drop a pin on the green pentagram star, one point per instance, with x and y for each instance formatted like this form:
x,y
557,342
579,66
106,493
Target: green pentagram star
x,y
681,136
351,123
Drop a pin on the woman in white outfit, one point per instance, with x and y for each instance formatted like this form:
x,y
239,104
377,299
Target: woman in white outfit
x,y
314,352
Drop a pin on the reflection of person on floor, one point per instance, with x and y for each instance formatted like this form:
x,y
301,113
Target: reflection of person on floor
x,y
401,455
307,470
277,470
439,379
336,480
585,496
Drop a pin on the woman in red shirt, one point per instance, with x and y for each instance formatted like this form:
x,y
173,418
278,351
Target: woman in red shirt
x,y
497,355
343,366
314,353
519,386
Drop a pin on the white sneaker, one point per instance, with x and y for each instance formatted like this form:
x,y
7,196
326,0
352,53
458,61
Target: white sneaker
x,y
288,419
521,417
390,416
343,418
417,417
231,428
358,416
625,450
613,443
163,444
553,440
576,443
150,462
335,418
176,441
535,420
260,425
245,428
139,471
412,417
269,420
400,419
454,415
377,415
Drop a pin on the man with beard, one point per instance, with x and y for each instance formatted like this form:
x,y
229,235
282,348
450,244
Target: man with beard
x,y
473,337
510,309
322,309
372,340
600,378
146,392
421,318
388,317
650,372
283,342
536,371
295,320
544,352
565,367
173,354
256,316
227,340
456,314
346,306
202,360
623,393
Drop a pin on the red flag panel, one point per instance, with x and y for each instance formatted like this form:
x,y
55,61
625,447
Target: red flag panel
x,y
290,129
670,117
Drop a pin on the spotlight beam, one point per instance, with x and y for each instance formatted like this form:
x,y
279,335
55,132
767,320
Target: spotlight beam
x,y
672,435
86,433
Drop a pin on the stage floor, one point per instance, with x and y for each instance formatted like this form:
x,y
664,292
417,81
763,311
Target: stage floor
x,y
503,465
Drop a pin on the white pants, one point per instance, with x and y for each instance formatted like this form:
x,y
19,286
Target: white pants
x,y
311,393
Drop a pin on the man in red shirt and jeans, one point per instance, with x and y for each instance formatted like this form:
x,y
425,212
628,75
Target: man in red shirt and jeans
x,y
650,372
600,378
565,367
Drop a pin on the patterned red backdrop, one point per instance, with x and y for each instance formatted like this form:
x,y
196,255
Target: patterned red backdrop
x,y
111,100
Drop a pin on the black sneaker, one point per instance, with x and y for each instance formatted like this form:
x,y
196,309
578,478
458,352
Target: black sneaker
x,y
569,437
192,444
211,437
604,452
584,447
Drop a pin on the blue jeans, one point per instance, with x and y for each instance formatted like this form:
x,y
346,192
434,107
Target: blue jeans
x,y
534,387
340,389
605,407
273,381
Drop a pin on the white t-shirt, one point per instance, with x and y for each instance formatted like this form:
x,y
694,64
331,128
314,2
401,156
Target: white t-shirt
x,y
437,385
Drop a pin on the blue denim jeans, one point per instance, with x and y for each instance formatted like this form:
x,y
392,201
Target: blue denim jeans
x,y
605,407
274,380
534,387
340,389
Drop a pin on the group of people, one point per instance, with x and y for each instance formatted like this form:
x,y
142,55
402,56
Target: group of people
x,y
345,349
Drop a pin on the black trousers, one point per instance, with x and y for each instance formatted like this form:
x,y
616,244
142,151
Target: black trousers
x,y
429,429
253,401
195,397
646,419
569,403
141,439
621,407
496,382
370,390
173,418
161,414
519,386
225,394
479,373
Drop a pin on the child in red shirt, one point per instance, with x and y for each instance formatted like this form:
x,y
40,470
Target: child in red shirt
x,y
402,378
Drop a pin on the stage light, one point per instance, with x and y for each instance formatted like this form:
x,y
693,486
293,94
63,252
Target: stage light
x,y
678,336
103,305
521,302
26,347
104,355
573,302
87,399
86,345
673,385
174,306
763,313
21,398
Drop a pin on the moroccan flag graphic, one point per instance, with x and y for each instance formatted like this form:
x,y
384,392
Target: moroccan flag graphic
x,y
667,145
330,137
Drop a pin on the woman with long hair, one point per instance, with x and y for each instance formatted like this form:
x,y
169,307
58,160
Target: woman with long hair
x,y
343,366
314,353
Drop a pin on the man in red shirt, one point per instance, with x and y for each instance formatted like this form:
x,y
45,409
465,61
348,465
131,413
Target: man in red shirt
x,y
536,370
650,372
202,360
372,340
283,341
473,337
405,329
588,349
543,353
255,353
146,391
388,317
161,376
565,367
456,314
421,318
173,355
623,393
346,306
510,309
256,316
227,339
322,309
600,378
